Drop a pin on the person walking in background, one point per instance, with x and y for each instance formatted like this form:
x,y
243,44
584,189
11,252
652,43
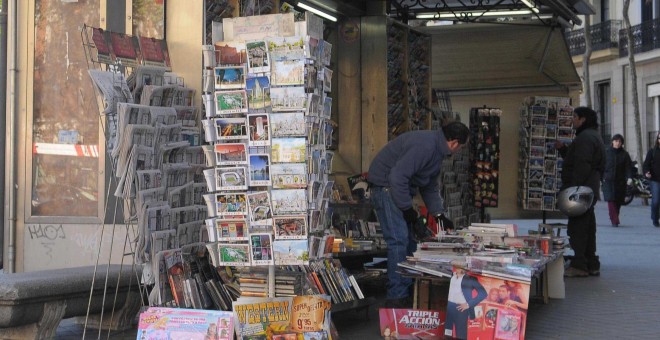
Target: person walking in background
x,y
584,163
408,164
651,170
618,173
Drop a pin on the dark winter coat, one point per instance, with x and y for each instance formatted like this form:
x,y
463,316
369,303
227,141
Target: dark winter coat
x,y
652,164
618,168
584,161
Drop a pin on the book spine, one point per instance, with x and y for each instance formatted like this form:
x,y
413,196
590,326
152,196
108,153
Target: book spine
x,y
356,287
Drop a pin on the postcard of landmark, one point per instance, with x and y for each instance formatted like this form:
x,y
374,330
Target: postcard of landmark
x,y
230,52
233,254
327,80
291,252
259,129
290,227
288,98
231,128
231,178
259,170
287,124
229,102
231,229
286,48
288,150
260,210
230,154
231,204
287,72
327,107
261,249
311,77
325,52
258,93
288,175
229,77
257,55
314,105
289,201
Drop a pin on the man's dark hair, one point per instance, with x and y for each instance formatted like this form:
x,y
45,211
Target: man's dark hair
x,y
456,130
589,115
618,137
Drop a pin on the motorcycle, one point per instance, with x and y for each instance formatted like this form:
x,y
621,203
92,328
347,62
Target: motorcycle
x,y
640,186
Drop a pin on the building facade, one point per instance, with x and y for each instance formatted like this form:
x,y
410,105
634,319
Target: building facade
x,y
609,69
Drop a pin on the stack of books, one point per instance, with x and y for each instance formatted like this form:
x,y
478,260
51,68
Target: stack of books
x,y
332,279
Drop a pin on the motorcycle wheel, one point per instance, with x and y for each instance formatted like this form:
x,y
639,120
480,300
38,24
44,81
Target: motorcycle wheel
x,y
630,194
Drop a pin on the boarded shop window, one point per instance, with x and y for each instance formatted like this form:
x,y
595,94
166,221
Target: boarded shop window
x,y
65,123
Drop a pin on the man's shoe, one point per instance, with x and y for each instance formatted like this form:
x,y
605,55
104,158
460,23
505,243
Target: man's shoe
x,y
400,303
656,224
594,272
575,272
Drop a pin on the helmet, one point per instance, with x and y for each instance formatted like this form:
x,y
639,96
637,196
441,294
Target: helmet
x,y
575,201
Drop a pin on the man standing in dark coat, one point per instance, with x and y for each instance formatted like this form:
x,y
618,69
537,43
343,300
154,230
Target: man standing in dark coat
x,y
618,173
584,163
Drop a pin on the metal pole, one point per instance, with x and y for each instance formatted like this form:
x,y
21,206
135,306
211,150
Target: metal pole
x,y
10,140
3,109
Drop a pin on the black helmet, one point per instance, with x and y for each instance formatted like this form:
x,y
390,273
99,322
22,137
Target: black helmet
x,y
575,201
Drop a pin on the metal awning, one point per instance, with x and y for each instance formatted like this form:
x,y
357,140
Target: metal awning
x,y
490,56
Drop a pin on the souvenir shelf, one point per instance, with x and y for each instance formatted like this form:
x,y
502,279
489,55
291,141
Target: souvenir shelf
x,y
485,154
396,64
543,121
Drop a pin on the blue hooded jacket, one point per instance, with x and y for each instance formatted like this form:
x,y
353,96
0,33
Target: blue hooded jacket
x,y
412,162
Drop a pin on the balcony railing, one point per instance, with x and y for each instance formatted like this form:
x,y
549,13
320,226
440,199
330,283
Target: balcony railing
x,y
603,36
646,37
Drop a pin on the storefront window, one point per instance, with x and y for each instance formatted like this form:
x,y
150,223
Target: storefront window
x,y
65,124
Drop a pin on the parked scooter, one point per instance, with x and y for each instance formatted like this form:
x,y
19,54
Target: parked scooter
x,y
640,186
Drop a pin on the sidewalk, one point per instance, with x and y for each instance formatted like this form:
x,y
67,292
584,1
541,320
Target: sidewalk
x,y
623,303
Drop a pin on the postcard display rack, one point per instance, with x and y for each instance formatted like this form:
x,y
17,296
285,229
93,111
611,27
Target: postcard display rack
x,y
543,121
485,155
267,107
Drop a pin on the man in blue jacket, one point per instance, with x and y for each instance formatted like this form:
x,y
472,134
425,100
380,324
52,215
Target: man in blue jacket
x,y
408,164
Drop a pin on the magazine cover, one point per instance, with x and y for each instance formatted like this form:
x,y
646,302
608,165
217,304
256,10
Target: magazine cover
x,y
256,317
487,298
158,323
311,314
411,323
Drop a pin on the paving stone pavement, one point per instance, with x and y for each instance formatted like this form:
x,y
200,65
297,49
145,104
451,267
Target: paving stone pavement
x,y
623,303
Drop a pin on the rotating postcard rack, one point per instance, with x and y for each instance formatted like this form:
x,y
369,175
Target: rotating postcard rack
x,y
485,154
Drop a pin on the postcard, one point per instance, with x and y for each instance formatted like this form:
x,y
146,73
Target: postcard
x,y
287,124
231,128
233,254
291,252
314,105
230,52
231,178
288,150
229,102
288,175
230,154
231,204
260,210
261,249
229,77
311,77
290,227
287,72
289,201
258,93
231,230
327,80
286,47
288,98
259,170
257,56
325,52
258,126
327,107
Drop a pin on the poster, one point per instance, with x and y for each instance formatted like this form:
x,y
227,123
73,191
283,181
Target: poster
x,y
411,323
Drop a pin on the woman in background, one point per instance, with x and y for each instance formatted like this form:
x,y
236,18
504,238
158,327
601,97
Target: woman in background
x,y
618,173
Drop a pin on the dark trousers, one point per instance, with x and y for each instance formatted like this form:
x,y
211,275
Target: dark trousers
x,y
456,321
582,233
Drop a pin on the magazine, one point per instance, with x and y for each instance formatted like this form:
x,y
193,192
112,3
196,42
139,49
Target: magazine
x,y
411,323
254,317
175,323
